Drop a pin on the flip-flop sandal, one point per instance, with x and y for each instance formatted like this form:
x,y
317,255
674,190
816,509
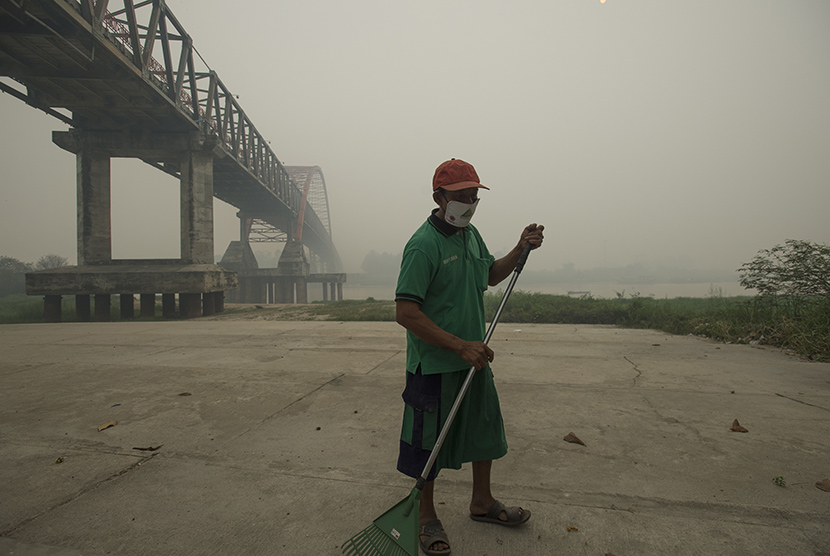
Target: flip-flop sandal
x,y
515,515
435,531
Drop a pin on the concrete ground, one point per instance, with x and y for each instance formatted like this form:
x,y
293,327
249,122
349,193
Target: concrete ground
x,y
281,438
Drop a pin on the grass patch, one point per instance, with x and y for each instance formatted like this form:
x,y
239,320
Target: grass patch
x,y
20,308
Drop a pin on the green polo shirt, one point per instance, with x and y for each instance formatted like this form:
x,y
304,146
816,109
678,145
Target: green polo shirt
x,y
445,270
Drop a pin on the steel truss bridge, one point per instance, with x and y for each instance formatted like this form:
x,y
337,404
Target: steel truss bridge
x,y
122,67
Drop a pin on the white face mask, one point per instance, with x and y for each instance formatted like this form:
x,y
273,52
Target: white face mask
x,y
459,214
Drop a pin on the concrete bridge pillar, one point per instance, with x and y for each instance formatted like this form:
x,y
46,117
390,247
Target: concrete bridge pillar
x,y
191,275
168,304
190,305
197,207
302,290
127,301
103,304
284,290
83,308
148,305
52,308
94,200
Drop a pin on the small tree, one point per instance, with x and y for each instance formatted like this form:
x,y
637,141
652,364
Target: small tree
x,y
381,264
51,261
796,270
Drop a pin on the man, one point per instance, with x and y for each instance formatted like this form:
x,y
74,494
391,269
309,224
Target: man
x,y
439,299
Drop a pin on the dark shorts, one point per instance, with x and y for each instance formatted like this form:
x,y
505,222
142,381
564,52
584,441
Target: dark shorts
x,y
477,434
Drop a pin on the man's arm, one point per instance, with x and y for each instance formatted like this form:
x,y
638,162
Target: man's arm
x,y
502,268
409,315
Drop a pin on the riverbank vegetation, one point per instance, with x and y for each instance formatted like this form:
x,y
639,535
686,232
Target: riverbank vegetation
x,y
802,329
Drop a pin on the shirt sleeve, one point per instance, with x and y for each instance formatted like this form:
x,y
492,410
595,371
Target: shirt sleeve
x,y
415,276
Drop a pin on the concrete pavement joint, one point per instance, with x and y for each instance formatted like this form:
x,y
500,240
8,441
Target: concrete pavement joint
x,y
800,401
77,495
298,400
384,361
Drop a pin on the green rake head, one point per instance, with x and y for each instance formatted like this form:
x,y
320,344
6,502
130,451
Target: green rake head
x,y
395,533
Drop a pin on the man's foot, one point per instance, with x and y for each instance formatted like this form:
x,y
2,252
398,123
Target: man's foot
x,y
433,539
499,514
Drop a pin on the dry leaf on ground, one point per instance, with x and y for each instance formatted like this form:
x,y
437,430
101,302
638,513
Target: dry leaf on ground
x,y
572,438
107,425
736,427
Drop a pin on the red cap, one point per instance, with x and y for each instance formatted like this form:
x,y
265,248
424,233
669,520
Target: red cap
x,y
454,175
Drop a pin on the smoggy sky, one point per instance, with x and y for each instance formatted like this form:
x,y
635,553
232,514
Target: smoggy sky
x,y
689,133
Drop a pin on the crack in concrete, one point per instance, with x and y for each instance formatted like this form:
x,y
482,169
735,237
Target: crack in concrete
x,y
636,368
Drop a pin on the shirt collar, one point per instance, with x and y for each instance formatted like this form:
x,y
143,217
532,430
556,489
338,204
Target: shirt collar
x,y
442,226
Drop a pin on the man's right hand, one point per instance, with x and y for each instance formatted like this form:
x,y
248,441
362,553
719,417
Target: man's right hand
x,y
476,353
409,315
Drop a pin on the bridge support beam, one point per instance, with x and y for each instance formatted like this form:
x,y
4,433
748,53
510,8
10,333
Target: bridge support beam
x,y
198,282
83,308
168,305
270,285
52,308
148,305
197,207
94,202
302,290
103,306
127,305
190,305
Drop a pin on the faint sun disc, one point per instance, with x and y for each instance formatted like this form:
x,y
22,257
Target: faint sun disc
x,y
602,1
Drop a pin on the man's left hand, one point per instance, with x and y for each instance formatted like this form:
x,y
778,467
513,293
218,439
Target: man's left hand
x,y
533,234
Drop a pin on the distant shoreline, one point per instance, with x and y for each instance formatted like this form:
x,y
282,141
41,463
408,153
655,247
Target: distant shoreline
x,y
604,290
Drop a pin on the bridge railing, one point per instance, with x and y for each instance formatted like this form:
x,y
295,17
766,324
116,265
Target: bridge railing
x,y
136,29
